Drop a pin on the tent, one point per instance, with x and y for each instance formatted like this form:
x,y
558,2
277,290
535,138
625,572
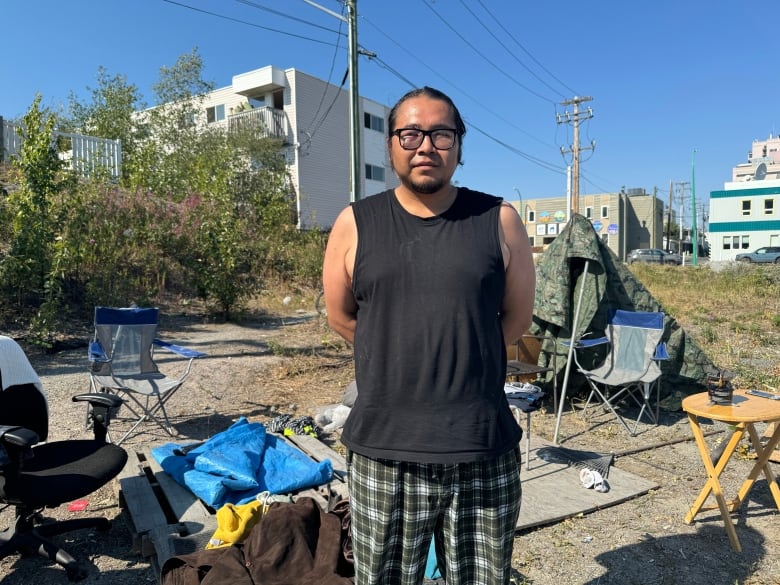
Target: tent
x,y
579,275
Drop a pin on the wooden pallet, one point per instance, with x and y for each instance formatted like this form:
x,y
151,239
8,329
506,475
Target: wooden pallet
x,y
167,519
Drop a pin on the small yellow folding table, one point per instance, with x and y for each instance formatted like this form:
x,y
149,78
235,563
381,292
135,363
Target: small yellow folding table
x,y
744,412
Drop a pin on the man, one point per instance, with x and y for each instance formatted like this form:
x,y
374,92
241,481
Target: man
x,y
430,282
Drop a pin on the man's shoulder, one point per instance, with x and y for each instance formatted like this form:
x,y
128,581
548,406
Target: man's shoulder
x,y
378,196
374,199
479,199
477,193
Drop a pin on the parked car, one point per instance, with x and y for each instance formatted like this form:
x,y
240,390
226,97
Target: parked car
x,y
766,254
653,255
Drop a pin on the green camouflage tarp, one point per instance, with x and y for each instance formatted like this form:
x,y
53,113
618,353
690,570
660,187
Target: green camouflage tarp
x,y
607,285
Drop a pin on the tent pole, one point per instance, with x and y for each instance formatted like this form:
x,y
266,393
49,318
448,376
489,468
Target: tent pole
x,y
572,341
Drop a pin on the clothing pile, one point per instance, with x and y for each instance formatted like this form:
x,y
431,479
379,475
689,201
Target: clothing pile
x,y
292,543
287,425
524,396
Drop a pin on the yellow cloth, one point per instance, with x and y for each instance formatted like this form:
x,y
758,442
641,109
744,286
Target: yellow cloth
x,y
234,523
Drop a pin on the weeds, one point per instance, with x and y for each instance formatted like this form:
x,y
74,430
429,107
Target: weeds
x,y
732,313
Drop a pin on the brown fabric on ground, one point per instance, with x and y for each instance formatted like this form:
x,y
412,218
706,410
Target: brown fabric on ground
x,y
294,544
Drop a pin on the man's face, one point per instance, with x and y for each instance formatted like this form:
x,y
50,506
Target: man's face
x,y
424,169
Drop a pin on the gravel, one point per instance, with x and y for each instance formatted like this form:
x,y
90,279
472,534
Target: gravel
x,y
294,364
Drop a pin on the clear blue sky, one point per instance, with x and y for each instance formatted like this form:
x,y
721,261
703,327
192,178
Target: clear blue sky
x,y
666,77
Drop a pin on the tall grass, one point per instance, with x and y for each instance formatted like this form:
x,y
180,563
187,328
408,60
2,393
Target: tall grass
x,y
733,313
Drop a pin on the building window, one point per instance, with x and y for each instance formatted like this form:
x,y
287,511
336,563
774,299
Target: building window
x,y
215,114
589,212
727,242
186,120
769,206
257,102
531,216
375,173
746,207
745,242
604,212
373,122
531,241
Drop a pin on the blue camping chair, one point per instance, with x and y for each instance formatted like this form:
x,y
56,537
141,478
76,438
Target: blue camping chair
x,y
631,368
122,361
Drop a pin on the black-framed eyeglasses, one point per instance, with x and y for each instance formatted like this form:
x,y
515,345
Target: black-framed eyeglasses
x,y
411,138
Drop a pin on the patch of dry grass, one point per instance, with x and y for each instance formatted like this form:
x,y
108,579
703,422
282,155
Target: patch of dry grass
x,y
732,313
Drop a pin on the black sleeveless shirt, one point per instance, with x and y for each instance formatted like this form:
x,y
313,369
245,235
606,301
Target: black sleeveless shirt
x,y
430,359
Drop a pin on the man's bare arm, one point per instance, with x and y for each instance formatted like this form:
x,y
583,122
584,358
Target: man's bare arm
x,y
518,306
337,275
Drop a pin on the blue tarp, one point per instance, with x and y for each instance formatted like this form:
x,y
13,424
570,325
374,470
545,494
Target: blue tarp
x,y
240,462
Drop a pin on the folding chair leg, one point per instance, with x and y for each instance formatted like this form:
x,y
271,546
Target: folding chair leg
x,y
607,403
528,440
147,414
652,413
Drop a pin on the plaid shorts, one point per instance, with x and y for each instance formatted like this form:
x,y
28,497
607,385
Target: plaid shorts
x,y
470,508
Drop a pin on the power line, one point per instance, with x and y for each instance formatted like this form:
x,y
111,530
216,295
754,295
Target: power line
x,y
528,157
449,82
244,22
327,87
395,72
284,15
373,57
500,42
519,44
485,57
512,149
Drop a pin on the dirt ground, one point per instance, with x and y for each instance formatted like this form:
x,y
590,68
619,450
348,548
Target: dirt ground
x,y
264,367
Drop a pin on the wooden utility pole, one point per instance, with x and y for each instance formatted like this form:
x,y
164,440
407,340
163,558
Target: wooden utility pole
x,y
354,93
669,219
354,101
574,118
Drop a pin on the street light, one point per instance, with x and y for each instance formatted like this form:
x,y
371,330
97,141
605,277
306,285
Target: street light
x,y
520,206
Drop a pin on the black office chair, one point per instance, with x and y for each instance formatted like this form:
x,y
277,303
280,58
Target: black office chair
x,y
35,475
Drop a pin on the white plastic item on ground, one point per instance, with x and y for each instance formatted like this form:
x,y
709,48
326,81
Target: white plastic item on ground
x,y
332,417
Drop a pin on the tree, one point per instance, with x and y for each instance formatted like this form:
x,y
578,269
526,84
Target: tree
x,y
244,203
204,210
27,269
110,113
170,133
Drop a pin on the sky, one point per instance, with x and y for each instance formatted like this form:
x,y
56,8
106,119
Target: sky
x,y
680,88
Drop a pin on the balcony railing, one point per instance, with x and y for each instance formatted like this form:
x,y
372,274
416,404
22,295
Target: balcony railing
x,y
85,155
269,122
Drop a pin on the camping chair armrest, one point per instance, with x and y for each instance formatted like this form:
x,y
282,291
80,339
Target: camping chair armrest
x,y
661,352
586,343
96,353
178,349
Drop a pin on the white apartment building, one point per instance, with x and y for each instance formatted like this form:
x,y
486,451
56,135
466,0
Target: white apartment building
x,y
311,116
745,215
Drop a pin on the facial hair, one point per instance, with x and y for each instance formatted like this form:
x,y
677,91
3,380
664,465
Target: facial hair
x,y
425,187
